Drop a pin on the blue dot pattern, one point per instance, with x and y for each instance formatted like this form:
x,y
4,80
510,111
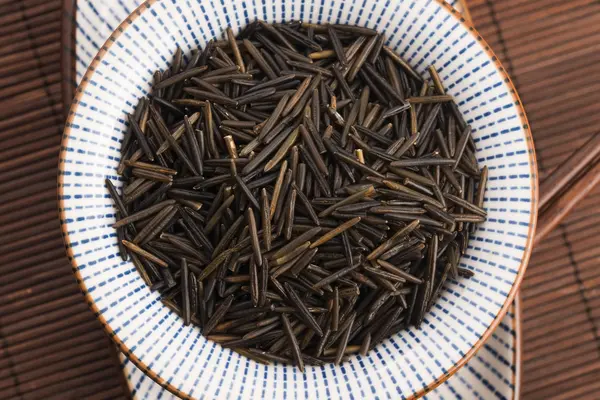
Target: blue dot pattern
x,y
424,32
492,373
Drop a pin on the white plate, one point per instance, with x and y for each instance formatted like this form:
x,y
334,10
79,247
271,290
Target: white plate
x,y
466,312
97,19
493,372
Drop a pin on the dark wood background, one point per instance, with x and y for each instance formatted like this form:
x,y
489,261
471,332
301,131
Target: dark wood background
x,y
51,345
551,50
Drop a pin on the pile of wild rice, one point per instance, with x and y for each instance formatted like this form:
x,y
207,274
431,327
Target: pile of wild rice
x,y
299,192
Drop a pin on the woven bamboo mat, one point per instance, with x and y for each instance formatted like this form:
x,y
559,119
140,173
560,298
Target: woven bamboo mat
x,y
551,49
51,345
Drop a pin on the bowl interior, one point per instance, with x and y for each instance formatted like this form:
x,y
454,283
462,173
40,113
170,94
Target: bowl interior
x,y
424,32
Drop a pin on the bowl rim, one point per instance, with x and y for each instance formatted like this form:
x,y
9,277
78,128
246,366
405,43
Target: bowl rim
x,y
80,91
515,374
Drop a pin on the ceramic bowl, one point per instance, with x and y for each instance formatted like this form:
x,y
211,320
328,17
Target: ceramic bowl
x,y
406,365
493,372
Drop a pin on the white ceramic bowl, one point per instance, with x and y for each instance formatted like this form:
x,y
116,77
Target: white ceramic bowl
x,y
493,372
178,357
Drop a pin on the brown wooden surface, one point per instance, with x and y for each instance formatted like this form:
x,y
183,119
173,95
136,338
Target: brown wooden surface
x,y
569,171
550,48
557,211
51,345
567,186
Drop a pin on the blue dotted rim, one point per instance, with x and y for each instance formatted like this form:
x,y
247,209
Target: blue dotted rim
x,y
133,383
518,279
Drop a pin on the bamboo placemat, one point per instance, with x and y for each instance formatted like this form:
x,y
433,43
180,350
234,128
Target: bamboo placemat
x,y
51,345
551,50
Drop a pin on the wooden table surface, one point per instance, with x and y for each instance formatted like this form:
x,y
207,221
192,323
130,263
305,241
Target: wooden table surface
x,y
51,346
551,50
